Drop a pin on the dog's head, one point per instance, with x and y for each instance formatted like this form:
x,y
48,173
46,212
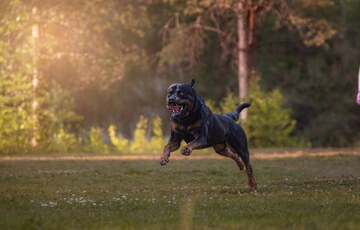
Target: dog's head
x,y
180,99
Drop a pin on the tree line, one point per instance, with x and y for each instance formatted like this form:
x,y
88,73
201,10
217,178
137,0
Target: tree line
x,y
69,67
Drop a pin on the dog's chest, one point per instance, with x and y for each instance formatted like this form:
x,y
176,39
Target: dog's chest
x,y
186,129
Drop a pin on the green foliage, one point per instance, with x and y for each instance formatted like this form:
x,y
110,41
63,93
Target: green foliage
x,y
229,102
314,30
97,39
64,142
33,111
139,142
157,141
57,112
16,66
319,83
120,143
268,124
95,142
92,55
226,104
212,105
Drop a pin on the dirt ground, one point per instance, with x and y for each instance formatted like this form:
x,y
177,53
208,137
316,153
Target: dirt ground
x,y
259,154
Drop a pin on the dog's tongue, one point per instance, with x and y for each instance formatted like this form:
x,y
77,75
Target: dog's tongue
x,y
175,108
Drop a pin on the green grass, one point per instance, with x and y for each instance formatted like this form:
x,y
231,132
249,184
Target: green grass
x,y
297,193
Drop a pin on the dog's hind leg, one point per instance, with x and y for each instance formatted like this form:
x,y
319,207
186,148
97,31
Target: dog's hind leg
x,y
244,155
223,150
239,147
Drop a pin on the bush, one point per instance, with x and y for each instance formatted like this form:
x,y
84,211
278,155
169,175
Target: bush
x,y
268,124
95,142
121,144
64,142
157,141
139,144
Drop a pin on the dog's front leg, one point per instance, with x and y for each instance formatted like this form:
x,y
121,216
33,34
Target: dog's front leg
x,y
173,144
198,143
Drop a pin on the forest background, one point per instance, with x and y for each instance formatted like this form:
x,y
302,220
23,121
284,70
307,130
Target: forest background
x,y
91,76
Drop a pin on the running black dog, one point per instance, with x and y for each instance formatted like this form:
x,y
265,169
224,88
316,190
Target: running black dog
x,y
193,122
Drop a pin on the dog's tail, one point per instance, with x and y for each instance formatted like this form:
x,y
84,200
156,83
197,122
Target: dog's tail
x,y
235,114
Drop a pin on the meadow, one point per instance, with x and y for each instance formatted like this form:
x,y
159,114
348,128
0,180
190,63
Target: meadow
x,y
317,192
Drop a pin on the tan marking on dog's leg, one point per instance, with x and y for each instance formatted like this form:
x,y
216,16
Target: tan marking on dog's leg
x,y
236,158
251,178
170,147
248,169
223,150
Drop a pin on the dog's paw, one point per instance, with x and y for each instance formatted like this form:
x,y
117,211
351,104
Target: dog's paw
x,y
186,151
164,161
253,187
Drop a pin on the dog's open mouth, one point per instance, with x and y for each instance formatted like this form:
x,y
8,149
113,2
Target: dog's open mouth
x,y
176,108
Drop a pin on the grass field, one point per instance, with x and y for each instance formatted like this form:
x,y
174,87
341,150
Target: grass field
x,y
293,193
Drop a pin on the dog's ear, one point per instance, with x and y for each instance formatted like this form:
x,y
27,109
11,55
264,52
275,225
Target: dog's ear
x,y
192,83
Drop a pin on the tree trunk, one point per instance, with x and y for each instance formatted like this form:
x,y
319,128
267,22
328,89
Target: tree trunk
x,y
35,79
243,68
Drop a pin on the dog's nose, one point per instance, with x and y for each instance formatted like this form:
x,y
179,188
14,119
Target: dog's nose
x,y
171,98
